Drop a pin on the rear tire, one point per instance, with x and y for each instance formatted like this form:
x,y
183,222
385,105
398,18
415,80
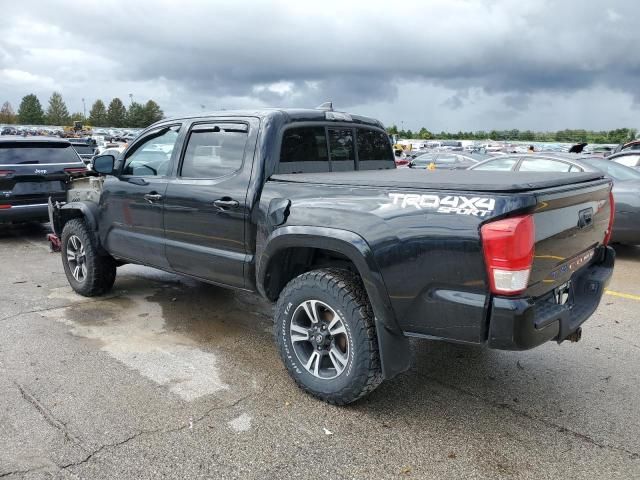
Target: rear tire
x,y
88,273
326,336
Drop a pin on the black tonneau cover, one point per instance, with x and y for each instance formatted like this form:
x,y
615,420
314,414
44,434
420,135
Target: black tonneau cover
x,y
466,180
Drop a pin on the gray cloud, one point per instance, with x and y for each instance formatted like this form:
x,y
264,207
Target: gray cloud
x,y
464,60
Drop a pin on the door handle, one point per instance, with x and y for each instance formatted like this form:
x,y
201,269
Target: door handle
x,y
153,197
225,203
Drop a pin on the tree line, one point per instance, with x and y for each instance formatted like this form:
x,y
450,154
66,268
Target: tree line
x,y
117,115
570,136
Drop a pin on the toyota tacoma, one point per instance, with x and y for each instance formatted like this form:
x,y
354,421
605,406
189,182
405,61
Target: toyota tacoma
x,y
307,208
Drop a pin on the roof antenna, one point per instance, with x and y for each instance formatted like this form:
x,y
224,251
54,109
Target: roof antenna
x,y
326,106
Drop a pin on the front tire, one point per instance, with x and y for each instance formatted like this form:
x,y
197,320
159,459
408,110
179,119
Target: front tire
x,y
88,273
326,336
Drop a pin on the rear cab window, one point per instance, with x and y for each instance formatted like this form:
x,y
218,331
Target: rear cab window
x,y
37,153
331,148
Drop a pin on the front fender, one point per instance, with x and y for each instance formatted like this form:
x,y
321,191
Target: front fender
x,y
61,214
394,346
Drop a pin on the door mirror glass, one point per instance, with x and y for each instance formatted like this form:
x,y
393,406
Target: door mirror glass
x,y
104,164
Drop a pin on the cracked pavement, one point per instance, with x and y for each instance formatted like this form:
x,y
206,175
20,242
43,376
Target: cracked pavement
x,y
167,377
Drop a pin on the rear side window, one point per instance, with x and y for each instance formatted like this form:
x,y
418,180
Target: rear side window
x,y
214,150
304,150
447,158
543,165
33,153
498,165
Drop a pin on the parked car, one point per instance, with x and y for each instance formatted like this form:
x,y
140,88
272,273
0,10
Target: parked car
x,y
628,158
85,150
307,208
444,161
632,145
8,131
626,187
32,170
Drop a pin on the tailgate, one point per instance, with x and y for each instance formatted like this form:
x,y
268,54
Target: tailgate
x,y
570,223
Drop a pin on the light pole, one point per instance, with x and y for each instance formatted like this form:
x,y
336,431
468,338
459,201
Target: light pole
x,y
84,110
131,98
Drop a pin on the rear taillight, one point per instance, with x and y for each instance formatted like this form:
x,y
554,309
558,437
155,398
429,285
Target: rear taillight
x,y
75,170
612,212
4,207
6,173
508,253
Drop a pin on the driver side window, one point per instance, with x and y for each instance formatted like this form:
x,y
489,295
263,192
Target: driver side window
x,y
152,157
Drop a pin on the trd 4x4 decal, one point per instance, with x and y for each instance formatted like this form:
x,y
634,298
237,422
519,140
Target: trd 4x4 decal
x,y
476,206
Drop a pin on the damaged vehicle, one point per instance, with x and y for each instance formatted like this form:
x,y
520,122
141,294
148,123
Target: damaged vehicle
x,y
307,208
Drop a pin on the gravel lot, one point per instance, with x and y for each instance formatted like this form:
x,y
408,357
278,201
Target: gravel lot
x,y
168,378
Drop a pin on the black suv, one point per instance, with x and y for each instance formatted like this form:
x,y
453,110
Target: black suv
x,y
31,171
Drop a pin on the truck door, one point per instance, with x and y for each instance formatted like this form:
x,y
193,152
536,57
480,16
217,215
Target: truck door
x,y
206,204
132,201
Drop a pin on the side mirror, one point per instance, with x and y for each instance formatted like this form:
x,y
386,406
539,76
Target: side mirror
x,y
104,164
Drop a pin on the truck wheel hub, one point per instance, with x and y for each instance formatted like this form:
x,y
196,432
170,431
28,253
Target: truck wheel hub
x,y
319,339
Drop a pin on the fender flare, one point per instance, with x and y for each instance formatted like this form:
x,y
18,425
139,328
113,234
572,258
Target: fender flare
x,y
395,356
58,215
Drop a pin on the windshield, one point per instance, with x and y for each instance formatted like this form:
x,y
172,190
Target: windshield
x,y
19,153
614,170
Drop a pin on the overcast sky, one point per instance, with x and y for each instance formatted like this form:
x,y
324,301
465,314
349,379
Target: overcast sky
x,y
443,64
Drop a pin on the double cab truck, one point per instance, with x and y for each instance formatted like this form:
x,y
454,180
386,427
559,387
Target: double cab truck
x,y
307,208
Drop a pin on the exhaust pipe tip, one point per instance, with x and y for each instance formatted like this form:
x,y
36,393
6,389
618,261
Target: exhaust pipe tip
x,y
575,336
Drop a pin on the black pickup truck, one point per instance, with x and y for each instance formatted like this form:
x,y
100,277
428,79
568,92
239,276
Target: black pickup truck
x,y
307,208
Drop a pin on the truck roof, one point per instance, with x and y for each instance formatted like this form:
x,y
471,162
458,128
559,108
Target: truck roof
x,y
287,115
461,180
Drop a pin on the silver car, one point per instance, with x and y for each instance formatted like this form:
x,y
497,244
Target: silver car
x,y
626,183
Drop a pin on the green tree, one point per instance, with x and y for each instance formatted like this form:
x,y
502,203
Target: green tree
x,y
116,113
57,113
141,116
77,117
7,115
424,134
136,116
30,111
98,114
152,112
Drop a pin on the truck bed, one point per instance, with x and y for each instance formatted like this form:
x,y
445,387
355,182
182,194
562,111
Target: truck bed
x,y
466,180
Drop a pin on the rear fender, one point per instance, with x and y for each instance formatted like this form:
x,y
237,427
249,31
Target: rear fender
x,y
394,346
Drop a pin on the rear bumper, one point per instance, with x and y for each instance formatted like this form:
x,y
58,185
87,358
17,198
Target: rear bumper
x,y
19,213
524,323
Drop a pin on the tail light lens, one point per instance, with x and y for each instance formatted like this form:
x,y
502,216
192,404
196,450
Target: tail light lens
x,y
5,207
508,253
612,212
6,173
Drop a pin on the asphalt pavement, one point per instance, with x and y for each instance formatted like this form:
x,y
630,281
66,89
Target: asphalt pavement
x,y
167,377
